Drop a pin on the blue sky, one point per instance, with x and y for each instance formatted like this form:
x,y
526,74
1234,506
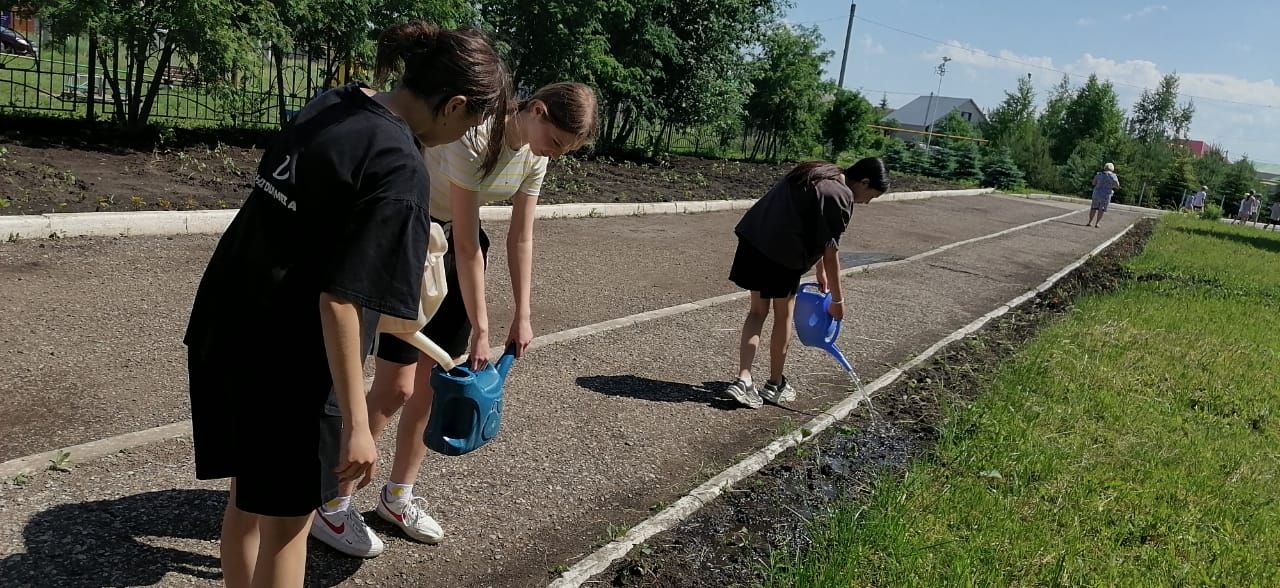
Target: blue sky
x,y
1219,49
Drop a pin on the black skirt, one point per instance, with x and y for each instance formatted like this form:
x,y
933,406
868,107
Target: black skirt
x,y
754,271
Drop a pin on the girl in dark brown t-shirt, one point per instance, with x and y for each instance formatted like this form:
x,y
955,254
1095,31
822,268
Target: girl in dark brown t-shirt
x,y
796,226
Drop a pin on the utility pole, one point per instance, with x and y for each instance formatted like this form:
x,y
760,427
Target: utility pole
x,y
848,31
941,70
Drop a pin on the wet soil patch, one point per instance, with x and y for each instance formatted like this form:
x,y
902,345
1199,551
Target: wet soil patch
x,y
850,259
728,542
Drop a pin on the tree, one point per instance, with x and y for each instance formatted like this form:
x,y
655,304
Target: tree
x,y
1212,168
786,103
1092,114
1157,115
680,62
1055,109
845,125
968,163
1241,178
1178,180
941,162
190,26
1000,172
1017,110
1085,161
704,81
955,125
1030,151
903,159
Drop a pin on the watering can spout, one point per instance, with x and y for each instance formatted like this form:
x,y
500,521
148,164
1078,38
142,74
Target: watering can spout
x,y
844,363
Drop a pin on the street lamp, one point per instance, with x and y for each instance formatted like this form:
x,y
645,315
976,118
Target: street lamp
x,y
941,70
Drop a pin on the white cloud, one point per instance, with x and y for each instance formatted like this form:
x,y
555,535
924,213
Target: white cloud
x,y
1133,72
1085,21
965,54
871,46
1146,11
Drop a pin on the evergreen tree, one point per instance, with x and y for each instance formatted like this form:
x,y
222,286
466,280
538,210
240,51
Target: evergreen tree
x,y
1000,172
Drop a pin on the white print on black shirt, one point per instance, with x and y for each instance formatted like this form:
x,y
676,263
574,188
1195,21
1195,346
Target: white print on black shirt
x,y
281,173
267,187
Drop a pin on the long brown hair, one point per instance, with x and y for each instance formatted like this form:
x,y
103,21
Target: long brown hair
x,y
571,107
810,173
437,64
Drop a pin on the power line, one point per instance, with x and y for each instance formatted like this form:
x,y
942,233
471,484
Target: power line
x,y
1045,67
820,21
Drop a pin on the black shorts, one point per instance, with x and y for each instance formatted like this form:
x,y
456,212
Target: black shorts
x,y
753,271
279,439
449,328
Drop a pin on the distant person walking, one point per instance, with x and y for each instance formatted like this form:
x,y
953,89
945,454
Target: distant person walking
x,y
1197,199
1255,205
1275,216
1245,210
1105,183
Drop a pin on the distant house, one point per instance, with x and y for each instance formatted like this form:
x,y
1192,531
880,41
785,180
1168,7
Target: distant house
x,y
1197,148
1268,173
924,112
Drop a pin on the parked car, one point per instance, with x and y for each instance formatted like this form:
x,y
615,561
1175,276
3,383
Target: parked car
x,y
13,42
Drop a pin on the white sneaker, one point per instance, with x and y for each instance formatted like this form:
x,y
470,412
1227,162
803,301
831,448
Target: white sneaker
x,y
346,532
744,393
410,514
778,393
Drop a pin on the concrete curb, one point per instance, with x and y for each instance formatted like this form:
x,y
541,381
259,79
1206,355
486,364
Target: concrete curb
x,y
1087,202
182,222
702,495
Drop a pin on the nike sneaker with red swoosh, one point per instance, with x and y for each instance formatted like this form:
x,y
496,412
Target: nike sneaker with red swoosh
x,y
346,531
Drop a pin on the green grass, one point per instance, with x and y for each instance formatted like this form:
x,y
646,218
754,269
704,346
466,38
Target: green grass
x,y
1133,443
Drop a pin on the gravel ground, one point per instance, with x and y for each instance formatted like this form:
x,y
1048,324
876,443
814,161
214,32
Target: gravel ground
x,y
597,432
93,327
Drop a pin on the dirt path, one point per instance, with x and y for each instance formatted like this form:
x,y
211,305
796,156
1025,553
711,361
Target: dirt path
x,y
598,431
93,327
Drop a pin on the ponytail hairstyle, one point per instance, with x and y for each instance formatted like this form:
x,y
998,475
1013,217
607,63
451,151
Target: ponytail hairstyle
x,y
437,64
571,107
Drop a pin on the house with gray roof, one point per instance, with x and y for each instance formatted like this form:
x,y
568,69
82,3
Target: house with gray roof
x,y
924,112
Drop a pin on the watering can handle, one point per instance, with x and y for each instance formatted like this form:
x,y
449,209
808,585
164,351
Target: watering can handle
x,y
429,347
826,296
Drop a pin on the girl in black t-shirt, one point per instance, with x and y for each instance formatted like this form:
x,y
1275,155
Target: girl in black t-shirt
x,y
333,235
796,226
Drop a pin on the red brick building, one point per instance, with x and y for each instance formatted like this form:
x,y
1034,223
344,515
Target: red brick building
x,y
1197,148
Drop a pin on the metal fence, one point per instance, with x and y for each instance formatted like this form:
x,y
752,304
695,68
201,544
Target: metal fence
x,y
86,77
79,77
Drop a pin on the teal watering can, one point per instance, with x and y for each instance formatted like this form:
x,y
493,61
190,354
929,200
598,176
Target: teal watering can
x,y
466,411
814,325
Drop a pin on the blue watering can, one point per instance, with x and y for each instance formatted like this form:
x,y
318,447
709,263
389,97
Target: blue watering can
x,y
814,325
466,411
